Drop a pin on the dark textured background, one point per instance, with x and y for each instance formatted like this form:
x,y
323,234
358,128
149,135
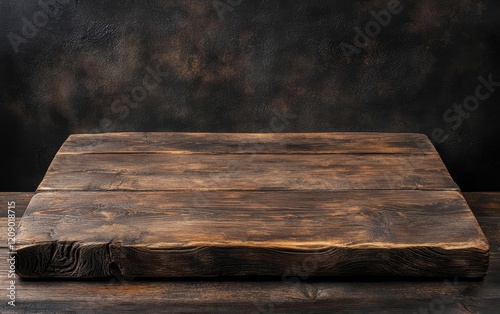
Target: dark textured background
x,y
233,74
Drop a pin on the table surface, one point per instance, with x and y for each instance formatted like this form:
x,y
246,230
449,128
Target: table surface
x,y
169,204
263,295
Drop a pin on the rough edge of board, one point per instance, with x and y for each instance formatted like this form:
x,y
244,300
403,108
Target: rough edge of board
x,y
97,260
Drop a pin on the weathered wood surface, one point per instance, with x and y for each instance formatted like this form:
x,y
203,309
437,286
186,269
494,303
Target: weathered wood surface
x,y
168,172
191,161
183,205
252,295
21,200
251,233
489,203
249,143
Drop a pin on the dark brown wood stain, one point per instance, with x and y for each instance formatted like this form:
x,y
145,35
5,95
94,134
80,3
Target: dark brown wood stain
x,y
125,294
204,205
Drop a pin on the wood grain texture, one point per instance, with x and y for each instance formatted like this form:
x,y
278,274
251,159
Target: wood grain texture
x,y
21,199
273,295
164,172
193,161
486,204
249,143
411,233
256,295
194,205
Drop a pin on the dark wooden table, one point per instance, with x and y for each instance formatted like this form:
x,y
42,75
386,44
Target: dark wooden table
x,y
170,204
327,295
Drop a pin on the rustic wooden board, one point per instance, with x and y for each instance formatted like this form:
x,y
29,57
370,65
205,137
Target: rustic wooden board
x,y
249,143
165,172
182,205
191,161
85,234
125,294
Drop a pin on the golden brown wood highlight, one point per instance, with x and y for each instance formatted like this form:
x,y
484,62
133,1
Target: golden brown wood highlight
x,y
184,205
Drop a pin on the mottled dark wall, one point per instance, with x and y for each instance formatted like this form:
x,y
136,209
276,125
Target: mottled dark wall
x,y
236,69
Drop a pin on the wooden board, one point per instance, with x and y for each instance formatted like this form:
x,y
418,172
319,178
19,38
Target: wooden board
x,y
189,205
125,294
190,161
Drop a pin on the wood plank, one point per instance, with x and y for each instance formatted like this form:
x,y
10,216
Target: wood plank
x,y
21,199
171,234
490,227
249,143
485,204
167,172
482,204
351,203
255,295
